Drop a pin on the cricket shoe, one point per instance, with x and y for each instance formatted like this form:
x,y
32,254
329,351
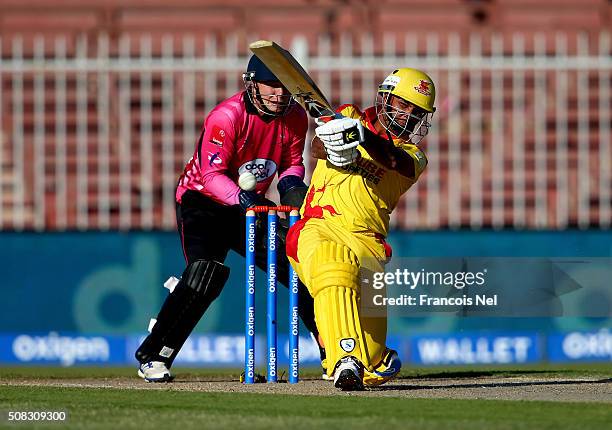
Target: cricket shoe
x,y
348,374
388,369
155,371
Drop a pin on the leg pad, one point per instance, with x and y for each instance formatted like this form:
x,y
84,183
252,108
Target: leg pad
x,y
200,285
335,288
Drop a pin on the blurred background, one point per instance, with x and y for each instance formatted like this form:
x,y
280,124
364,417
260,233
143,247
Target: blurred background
x,y
101,103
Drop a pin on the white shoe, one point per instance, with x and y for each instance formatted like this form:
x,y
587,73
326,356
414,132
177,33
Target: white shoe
x,y
155,371
348,374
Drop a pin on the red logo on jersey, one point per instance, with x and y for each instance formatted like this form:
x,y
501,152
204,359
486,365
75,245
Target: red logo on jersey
x,y
217,136
311,211
424,88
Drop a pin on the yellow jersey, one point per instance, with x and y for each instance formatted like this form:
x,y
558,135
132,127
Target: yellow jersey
x,y
360,196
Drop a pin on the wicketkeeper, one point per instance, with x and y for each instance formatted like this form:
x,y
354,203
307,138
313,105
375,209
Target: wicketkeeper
x,y
259,130
368,160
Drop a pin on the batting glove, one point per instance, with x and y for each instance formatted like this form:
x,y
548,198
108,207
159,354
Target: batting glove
x,y
343,157
340,134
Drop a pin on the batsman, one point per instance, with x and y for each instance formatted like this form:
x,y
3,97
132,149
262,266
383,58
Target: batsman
x,y
367,160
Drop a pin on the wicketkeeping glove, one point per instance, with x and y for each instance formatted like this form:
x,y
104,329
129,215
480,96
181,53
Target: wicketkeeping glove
x,y
247,199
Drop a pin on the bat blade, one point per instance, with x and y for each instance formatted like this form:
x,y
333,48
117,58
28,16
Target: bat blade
x,y
293,76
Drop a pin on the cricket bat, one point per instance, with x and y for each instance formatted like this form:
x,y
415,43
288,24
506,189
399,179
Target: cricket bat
x,y
293,76
303,89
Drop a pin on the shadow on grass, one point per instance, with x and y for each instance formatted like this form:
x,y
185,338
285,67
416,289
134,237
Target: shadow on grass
x,y
476,374
458,374
491,385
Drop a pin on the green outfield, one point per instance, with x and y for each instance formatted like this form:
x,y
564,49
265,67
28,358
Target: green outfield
x,y
187,404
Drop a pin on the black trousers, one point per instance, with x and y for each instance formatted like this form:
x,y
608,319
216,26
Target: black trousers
x,y
209,230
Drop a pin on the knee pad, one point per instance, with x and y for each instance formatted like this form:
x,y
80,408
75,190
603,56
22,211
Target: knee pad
x,y
335,288
333,265
206,278
201,283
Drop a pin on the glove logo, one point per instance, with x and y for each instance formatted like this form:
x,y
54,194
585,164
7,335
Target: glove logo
x,y
348,344
350,136
262,168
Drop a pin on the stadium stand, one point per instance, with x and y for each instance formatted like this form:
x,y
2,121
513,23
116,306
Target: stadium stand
x,y
397,27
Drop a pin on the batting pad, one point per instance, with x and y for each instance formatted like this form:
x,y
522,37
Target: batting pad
x,y
335,288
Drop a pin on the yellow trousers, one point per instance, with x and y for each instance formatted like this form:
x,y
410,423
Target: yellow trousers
x,y
329,260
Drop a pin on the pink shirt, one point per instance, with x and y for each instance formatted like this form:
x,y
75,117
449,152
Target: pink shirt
x,y
234,141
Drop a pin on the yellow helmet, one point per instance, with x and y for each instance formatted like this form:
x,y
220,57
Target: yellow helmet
x,y
412,85
409,119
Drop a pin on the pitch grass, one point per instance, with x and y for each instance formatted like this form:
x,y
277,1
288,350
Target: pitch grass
x,y
94,408
140,409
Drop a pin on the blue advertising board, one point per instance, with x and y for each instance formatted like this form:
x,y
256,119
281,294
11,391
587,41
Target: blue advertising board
x,y
103,288
477,348
220,350
576,346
